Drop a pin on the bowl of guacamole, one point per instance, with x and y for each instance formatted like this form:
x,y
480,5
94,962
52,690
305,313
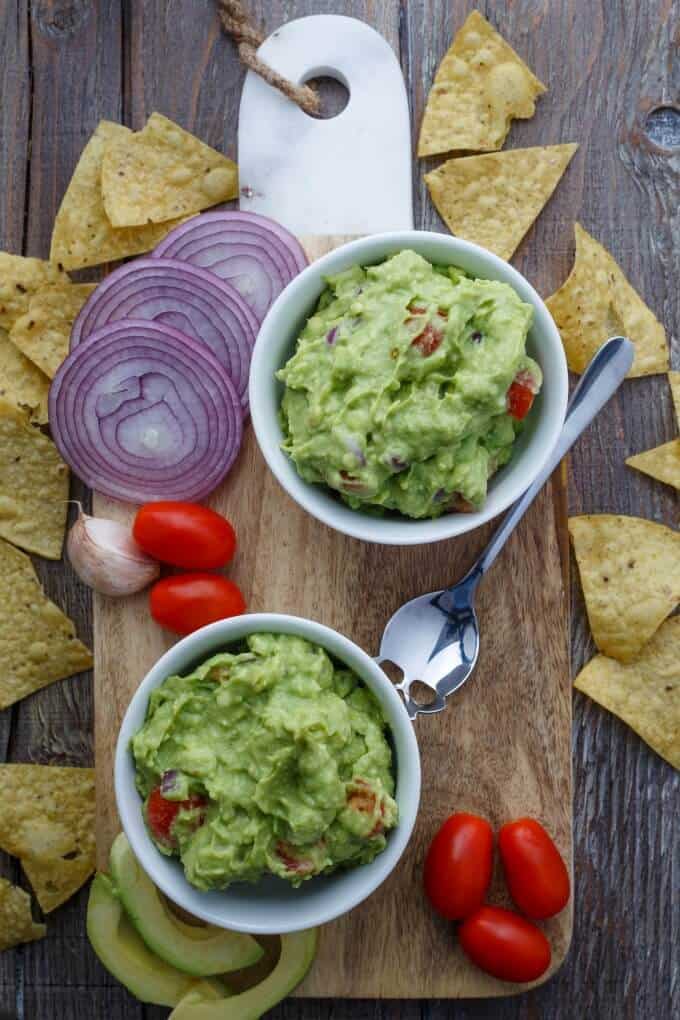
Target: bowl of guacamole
x,y
408,387
267,774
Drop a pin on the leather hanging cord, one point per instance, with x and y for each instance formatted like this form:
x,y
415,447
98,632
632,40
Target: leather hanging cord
x,y
238,25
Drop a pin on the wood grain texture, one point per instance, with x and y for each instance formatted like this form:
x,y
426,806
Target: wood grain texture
x,y
14,128
606,64
501,750
14,140
61,77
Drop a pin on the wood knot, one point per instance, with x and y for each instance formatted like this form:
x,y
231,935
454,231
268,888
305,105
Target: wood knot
x,y
61,19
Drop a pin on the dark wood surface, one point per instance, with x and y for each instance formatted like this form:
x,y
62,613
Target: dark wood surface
x,y
64,64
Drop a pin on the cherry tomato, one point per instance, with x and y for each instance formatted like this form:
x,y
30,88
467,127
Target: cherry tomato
x,y
429,340
185,534
537,877
185,602
458,866
161,814
521,395
504,944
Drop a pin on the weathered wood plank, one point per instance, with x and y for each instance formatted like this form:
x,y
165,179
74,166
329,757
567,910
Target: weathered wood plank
x,y
85,1002
14,125
75,79
627,798
15,89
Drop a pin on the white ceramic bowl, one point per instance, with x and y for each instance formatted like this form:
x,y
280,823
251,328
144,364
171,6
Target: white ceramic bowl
x,y
276,342
272,905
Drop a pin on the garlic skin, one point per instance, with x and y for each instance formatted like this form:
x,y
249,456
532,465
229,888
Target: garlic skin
x,y
105,556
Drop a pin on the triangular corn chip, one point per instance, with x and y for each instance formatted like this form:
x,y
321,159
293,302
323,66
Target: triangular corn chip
x,y
21,382
630,574
47,821
43,333
644,692
19,278
163,172
38,644
493,199
596,302
481,84
82,234
33,485
16,921
661,462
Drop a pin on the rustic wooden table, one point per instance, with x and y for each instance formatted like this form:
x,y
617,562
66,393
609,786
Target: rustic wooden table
x,y
64,64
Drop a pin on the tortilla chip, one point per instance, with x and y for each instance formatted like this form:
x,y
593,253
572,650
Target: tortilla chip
x,y
661,462
16,921
630,574
493,199
43,333
21,382
47,821
33,486
19,278
163,172
37,641
481,84
82,234
595,302
644,692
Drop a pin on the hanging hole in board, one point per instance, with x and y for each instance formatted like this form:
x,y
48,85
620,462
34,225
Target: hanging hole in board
x,y
332,92
662,127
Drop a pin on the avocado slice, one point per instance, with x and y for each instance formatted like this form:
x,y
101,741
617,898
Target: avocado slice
x,y
199,951
297,953
124,953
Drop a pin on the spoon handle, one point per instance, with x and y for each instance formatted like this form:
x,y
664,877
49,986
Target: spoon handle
x,y
602,377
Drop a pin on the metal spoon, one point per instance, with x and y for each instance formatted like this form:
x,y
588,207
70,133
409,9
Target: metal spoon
x,y
435,638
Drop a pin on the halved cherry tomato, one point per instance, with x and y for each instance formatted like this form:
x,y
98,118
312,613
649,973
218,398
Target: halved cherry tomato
x,y
161,814
185,602
536,875
185,534
504,944
458,866
521,395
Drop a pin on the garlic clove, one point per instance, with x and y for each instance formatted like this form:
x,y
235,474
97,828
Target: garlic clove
x,y
106,557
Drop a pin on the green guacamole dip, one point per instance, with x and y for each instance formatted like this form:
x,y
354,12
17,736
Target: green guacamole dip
x,y
401,393
274,759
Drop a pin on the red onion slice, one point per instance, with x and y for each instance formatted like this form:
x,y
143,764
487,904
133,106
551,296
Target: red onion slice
x,y
142,412
175,294
251,252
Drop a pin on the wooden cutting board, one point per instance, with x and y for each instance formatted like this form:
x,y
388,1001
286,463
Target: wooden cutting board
x,y
502,748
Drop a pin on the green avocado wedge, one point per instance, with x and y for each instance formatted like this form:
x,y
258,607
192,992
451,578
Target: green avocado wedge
x,y
297,954
125,954
199,951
